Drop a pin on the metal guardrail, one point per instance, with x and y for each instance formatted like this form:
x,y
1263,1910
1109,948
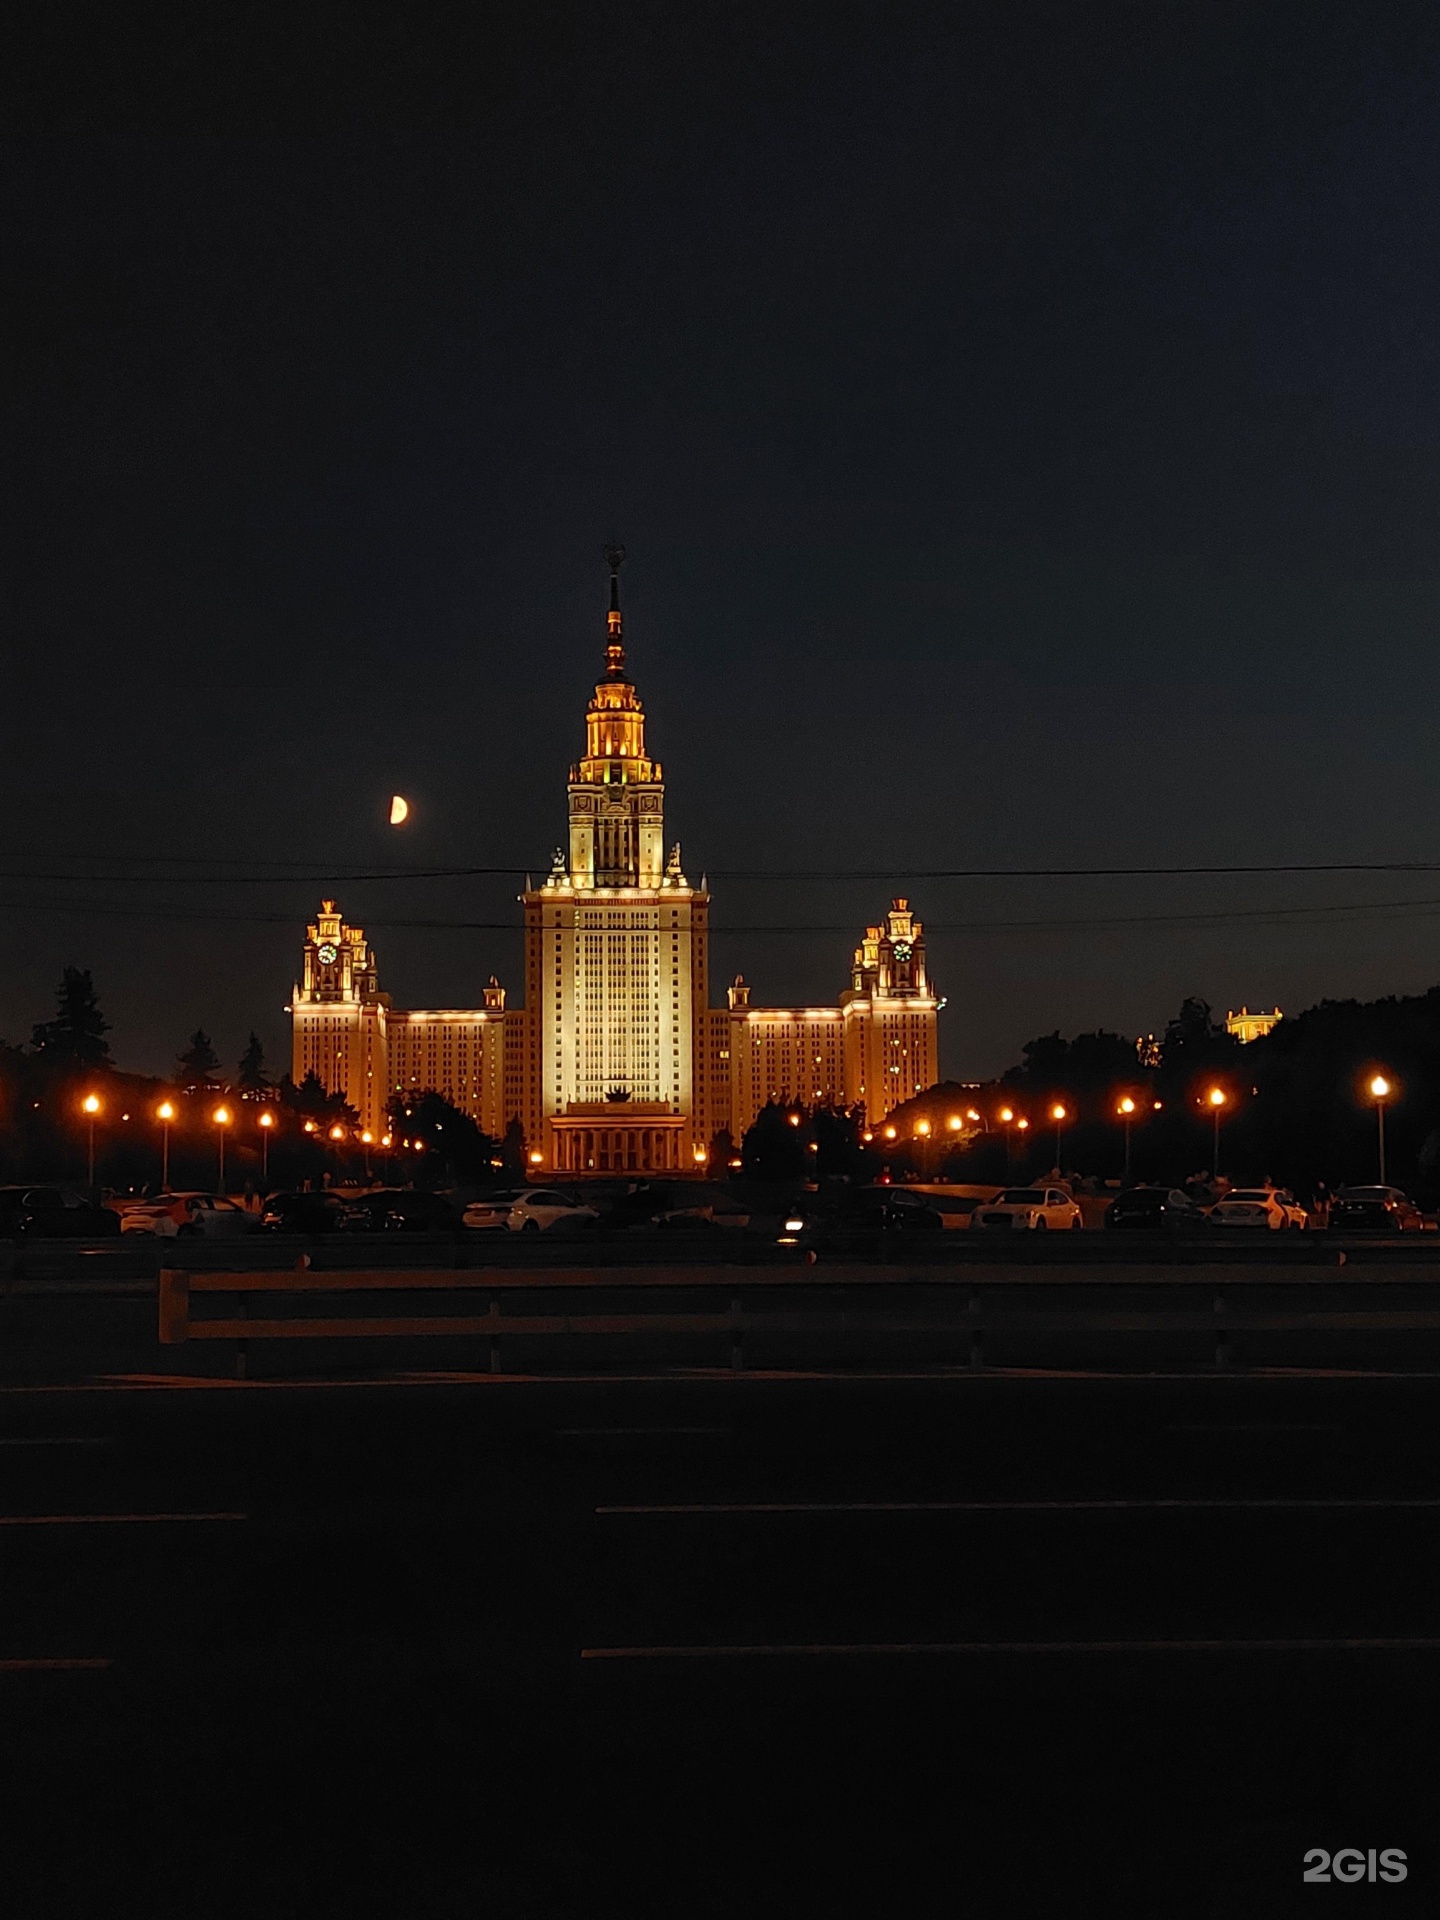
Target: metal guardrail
x,y
948,1310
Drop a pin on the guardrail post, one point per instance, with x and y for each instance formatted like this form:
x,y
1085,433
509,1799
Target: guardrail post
x,y
174,1306
737,1350
495,1337
977,1343
1222,1337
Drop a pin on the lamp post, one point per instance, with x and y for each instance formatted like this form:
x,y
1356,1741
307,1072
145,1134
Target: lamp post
x,y
221,1117
1006,1117
1126,1110
922,1134
1059,1115
267,1121
165,1113
1216,1098
367,1140
90,1106
1380,1091
1022,1125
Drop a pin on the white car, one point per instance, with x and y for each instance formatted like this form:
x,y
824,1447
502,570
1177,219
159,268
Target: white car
x,y
491,1209
1040,1209
539,1207
172,1216
1269,1207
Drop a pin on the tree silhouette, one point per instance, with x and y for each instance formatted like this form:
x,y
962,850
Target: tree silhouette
x,y
199,1063
76,1036
252,1076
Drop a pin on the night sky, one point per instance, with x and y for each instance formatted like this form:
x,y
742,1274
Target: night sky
x,y
1024,422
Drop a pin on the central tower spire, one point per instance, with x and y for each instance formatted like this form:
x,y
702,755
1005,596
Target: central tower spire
x,y
617,798
615,643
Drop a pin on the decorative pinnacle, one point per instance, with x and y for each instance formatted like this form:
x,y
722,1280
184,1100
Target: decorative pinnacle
x,y
615,650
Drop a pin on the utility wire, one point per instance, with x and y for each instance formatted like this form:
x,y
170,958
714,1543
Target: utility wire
x,y
335,876
1093,923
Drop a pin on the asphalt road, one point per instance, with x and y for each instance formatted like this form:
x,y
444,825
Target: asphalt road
x,y
710,1646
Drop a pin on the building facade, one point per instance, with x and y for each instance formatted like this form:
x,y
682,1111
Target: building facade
x,y
617,1062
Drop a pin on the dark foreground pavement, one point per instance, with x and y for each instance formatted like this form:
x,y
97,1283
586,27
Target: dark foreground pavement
x,y
979,1645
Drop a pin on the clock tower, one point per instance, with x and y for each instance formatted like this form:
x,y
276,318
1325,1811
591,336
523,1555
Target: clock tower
x,y
339,1016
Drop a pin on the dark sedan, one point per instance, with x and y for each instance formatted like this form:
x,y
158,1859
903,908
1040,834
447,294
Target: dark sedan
x,y
1156,1209
400,1210
1374,1210
303,1213
48,1213
876,1211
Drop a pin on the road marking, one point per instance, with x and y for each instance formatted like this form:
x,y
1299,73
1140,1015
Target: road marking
x,y
110,1519
573,1433
1256,1426
53,1666
842,1650
1017,1506
58,1440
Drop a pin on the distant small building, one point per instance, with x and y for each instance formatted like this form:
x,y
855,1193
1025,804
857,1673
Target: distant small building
x,y
1148,1050
1245,1026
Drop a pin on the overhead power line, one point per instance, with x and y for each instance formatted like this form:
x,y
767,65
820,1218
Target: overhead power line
x,y
339,875
1078,924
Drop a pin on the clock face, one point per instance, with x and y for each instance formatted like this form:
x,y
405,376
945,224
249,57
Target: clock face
x,y
902,951
329,953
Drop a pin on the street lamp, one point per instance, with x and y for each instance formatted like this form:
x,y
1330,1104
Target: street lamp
x,y
1006,1117
221,1117
165,1113
367,1140
90,1106
1380,1091
1216,1098
1059,1115
1126,1110
267,1121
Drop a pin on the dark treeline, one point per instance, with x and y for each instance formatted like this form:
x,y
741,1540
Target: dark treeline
x,y
1296,1103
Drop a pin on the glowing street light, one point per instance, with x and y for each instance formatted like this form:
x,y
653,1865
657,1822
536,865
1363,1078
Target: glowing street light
x,y
1126,1111
165,1113
1380,1091
90,1106
954,1123
1006,1117
1059,1114
1216,1099
267,1121
221,1117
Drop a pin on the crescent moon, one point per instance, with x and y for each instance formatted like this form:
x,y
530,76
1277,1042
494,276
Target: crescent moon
x,y
399,810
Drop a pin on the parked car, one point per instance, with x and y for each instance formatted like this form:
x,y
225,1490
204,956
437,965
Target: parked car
x,y
307,1213
1037,1208
491,1209
872,1211
674,1203
1374,1210
1158,1209
171,1216
1270,1208
53,1213
399,1210
540,1208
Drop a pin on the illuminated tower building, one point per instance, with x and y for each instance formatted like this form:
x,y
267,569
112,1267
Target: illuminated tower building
x,y
616,956
338,1016
616,1062
890,1015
